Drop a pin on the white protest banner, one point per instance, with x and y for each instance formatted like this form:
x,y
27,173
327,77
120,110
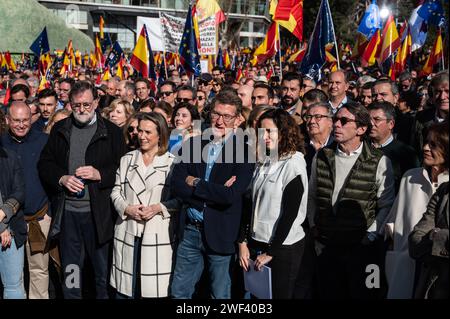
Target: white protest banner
x,y
172,31
207,28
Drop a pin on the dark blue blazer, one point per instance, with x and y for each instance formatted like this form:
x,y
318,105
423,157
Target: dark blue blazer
x,y
222,205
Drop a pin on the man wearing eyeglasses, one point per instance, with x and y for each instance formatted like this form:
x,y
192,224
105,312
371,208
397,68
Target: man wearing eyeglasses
x,y
352,190
211,189
65,85
319,126
205,84
78,166
402,156
28,143
167,92
186,93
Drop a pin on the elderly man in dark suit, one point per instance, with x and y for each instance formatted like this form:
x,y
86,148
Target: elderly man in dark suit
x,y
211,189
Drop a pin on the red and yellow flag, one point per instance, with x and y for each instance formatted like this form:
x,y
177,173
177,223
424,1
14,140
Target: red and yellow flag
x,y
9,61
208,8
98,53
390,40
226,60
435,55
368,57
268,47
289,15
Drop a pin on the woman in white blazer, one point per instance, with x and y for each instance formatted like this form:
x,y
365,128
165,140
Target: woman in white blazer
x,y
416,188
272,233
144,231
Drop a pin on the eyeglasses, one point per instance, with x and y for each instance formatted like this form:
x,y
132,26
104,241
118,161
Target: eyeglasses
x,y
23,122
86,105
205,83
226,117
167,93
183,99
343,120
131,129
378,120
317,117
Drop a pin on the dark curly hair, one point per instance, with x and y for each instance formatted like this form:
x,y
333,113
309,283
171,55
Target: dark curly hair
x,y
290,138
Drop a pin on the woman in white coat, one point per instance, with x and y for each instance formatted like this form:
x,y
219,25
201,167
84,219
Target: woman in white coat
x,y
144,231
272,233
416,188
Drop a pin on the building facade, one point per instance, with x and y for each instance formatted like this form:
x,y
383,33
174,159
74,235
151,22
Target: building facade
x,y
249,17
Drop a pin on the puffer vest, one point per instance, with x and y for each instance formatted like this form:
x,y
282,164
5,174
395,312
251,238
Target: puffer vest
x,y
356,205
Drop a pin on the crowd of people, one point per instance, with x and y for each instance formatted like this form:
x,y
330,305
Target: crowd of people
x,y
125,191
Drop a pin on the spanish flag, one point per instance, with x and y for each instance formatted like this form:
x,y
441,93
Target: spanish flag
x,y
434,57
142,58
207,8
269,47
297,56
289,15
99,59
226,60
369,55
9,61
390,40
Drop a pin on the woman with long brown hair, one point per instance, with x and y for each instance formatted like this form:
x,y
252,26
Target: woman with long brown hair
x,y
272,234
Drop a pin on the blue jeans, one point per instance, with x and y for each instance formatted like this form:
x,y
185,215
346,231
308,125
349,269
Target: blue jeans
x,y
11,271
191,254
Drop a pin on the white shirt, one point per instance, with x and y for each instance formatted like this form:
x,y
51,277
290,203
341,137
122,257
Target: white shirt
x,y
344,164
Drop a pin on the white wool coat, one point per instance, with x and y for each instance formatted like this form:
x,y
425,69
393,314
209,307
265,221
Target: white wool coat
x,y
138,184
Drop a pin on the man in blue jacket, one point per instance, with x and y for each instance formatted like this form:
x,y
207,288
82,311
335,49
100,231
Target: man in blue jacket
x,y
28,144
211,189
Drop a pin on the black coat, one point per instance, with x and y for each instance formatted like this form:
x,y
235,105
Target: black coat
x,y
103,153
12,187
222,205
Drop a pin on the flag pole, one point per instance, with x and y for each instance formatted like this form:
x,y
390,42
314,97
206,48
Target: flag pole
x,y
279,47
442,55
335,42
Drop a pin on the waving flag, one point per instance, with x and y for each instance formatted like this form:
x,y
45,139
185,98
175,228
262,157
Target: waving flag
x,y
390,40
368,58
114,55
98,53
419,29
207,8
219,60
142,57
371,21
268,47
322,36
434,57
189,56
289,15
432,12
40,45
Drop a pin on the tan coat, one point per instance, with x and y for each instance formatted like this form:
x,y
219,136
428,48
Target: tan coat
x,y
138,184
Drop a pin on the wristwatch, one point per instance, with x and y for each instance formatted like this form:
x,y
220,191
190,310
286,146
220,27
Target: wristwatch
x,y
196,181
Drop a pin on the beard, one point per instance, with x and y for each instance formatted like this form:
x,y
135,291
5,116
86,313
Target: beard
x,y
85,118
288,102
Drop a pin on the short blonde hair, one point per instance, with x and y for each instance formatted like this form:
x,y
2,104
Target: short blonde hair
x,y
126,105
51,120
